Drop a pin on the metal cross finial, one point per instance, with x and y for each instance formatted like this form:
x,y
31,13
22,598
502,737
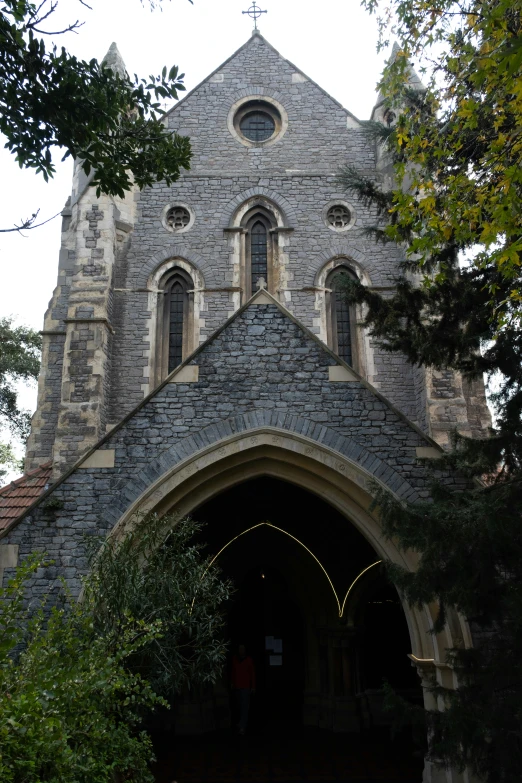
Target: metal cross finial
x,y
254,12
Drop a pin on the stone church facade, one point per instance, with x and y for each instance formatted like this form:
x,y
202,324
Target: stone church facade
x,y
196,339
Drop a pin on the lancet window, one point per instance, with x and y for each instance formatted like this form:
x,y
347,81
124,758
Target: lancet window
x,y
341,317
175,321
260,250
177,308
258,254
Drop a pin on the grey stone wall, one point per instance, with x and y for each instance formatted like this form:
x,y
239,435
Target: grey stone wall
x,y
297,172
261,369
105,270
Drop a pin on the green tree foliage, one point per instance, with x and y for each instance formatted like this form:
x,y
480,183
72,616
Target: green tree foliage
x,y
459,147
455,207
70,709
73,701
9,460
19,361
50,99
174,585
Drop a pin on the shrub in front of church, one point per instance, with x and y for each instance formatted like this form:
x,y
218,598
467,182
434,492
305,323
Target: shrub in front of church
x,y
78,680
70,708
157,573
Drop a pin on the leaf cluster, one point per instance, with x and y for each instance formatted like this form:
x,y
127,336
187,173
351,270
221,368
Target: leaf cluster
x,y
157,574
471,562
19,361
455,207
51,99
70,709
457,147
9,460
78,678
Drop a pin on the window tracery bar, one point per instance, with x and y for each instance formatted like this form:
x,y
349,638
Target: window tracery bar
x,y
176,322
257,126
344,329
258,254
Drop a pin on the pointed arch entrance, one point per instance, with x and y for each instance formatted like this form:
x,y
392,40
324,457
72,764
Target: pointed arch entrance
x,y
296,577
336,480
341,481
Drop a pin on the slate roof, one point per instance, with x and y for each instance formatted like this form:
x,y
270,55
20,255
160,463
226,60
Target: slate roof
x,y
17,496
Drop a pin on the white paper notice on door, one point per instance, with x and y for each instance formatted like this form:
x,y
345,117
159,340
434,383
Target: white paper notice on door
x,y
278,646
269,642
276,660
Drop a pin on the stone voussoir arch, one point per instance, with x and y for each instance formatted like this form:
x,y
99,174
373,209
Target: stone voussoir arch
x,y
346,456
340,249
254,91
302,452
283,205
197,474
177,250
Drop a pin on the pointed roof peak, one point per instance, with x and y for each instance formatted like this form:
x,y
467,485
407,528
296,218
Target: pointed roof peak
x,y
114,61
413,80
394,52
255,39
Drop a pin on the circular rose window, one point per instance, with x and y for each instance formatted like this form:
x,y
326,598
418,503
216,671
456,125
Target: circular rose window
x,y
177,217
339,216
257,126
257,122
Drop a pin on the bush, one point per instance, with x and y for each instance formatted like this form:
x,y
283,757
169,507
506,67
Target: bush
x,y
73,693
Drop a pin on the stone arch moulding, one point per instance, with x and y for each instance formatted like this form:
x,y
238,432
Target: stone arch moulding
x,y
194,477
162,270
341,250
181,251
178,483
274,199
157,328
350,459
342,259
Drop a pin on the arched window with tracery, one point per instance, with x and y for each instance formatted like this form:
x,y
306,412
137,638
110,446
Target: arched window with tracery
x,y
341,322
260,250
175,335
176,312
258,254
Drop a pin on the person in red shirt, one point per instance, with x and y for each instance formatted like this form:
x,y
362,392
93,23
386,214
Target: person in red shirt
x,y
243,684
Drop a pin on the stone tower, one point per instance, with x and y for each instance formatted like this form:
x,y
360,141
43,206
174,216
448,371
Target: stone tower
x,y
196,339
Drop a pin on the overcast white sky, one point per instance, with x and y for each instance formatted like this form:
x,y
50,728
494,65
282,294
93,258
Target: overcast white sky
x,y
333,42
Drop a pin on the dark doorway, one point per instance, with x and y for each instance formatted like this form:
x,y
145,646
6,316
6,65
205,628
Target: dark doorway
x,y
318,703
262,609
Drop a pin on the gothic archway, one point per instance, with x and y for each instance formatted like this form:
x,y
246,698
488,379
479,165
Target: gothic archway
x,y
343,484
335,478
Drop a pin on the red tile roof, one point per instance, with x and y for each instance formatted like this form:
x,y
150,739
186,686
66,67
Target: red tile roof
x,y
18,495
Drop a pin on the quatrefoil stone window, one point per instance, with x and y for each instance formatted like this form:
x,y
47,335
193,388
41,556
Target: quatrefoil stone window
x,y
177,218
339,215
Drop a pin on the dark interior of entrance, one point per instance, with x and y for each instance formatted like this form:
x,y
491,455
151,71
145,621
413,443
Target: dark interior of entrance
x,y
294,560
